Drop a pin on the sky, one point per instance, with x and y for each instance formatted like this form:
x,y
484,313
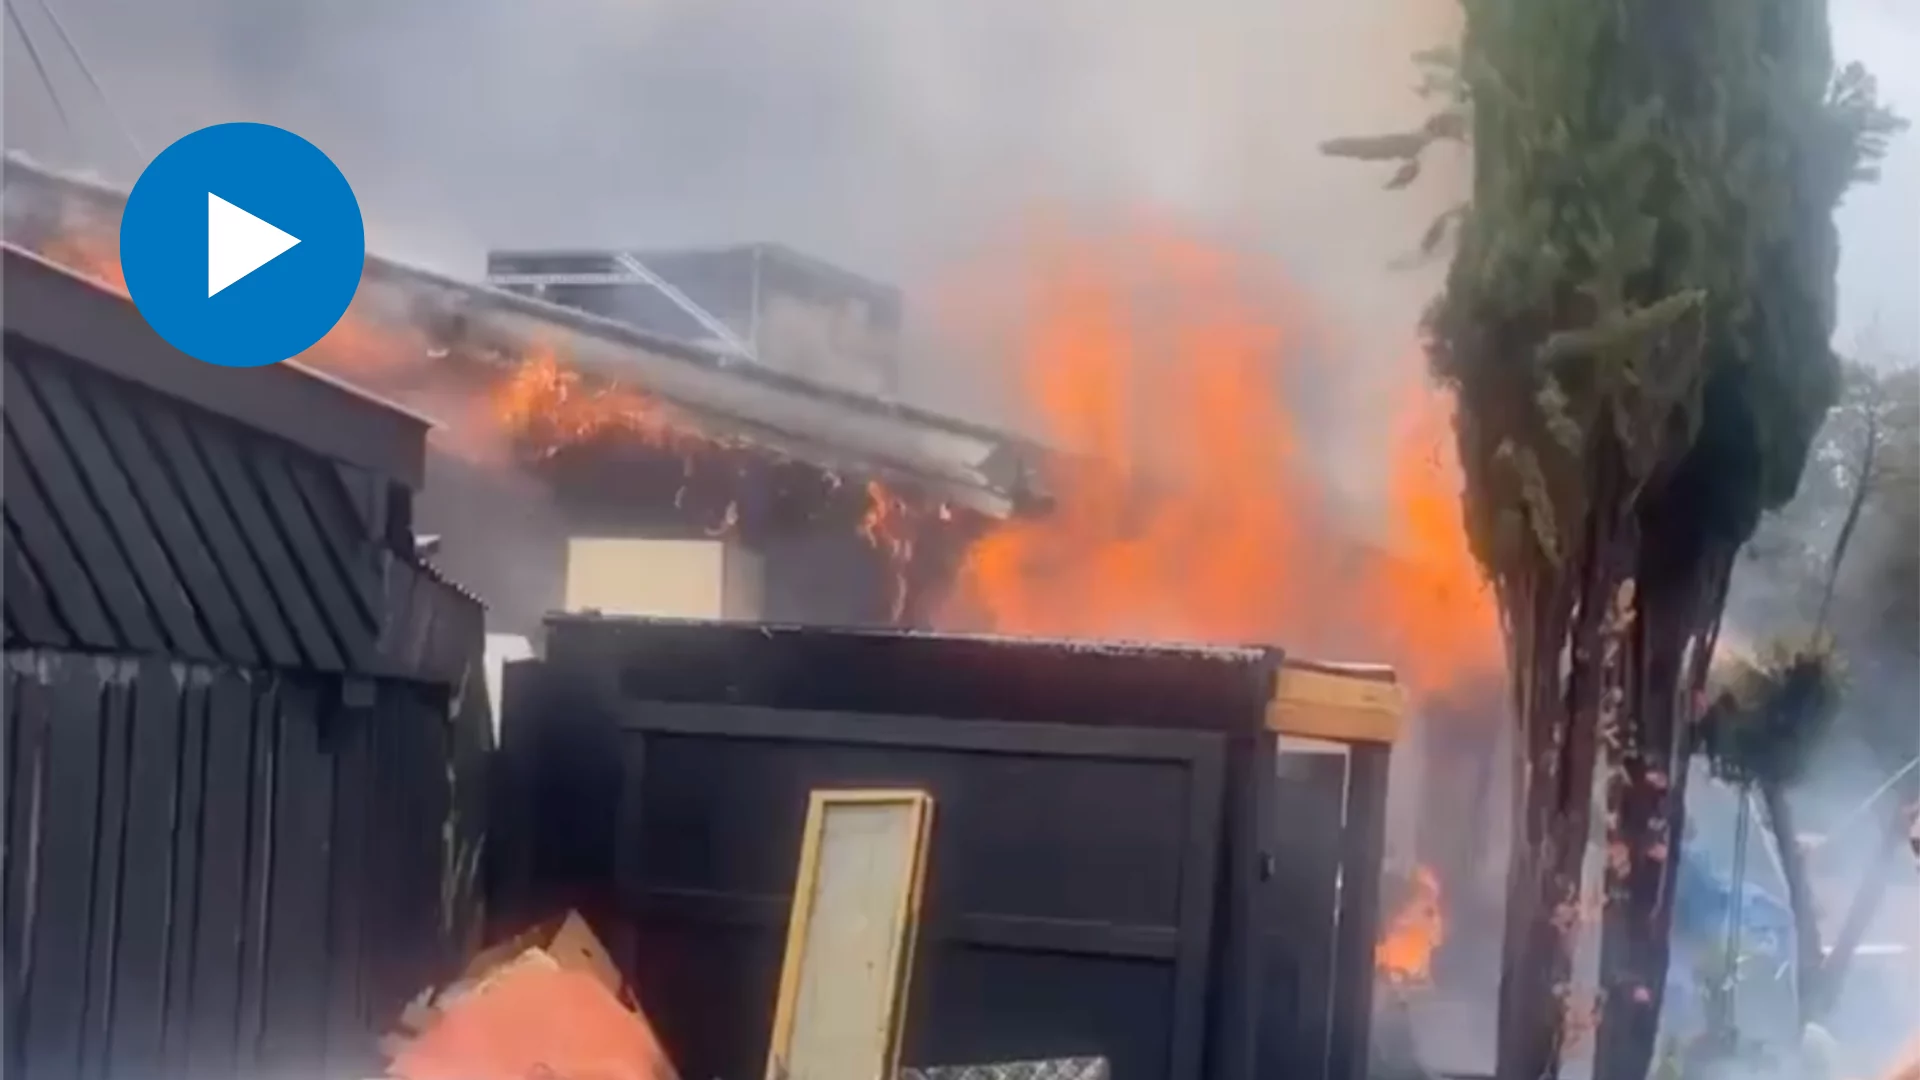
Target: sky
x,y
1880,224
890,136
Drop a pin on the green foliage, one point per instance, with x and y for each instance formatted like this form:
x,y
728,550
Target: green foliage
x,y
1769,711
1452,120
1648,254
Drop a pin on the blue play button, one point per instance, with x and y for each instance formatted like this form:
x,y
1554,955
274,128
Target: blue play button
x,y
242,244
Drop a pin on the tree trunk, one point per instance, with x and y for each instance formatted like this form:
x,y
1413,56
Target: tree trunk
x,y
1646,809
1820,993
1863,481
1560,672
1675,627
1793,866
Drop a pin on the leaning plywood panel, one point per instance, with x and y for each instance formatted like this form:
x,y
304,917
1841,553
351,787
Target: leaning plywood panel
x,y
850,937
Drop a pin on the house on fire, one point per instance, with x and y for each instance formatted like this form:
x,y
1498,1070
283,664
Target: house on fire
x,y
774,479
795,489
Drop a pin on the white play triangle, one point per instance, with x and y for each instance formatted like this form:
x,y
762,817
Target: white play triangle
x,y
239,243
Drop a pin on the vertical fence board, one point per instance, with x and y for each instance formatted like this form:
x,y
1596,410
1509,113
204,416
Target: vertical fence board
x,y
257,913
428,784
190,687
27,713
140,974
57,980
385,864
114,684
10,918
297,940
349,1048
1362,844
223,868
1304,897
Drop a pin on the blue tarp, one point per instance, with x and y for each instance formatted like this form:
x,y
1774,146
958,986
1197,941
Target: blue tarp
x,y
1700,911
1700,914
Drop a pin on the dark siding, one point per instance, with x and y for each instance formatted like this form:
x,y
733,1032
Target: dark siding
x,y
1362,847
66,815
233,700
106,478
1121,862
1070,894
74,519
136,524
1297,949
187,550
160,919
1080,797
153,786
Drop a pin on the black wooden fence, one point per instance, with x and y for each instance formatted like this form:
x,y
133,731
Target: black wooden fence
x,y
213,870
1123,860
243,724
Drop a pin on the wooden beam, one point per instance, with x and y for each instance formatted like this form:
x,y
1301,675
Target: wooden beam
x,y
1346,703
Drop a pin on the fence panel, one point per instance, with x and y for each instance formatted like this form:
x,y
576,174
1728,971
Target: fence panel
x,y
213,870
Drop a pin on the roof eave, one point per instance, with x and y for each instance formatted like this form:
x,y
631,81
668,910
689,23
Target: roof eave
x,y
830,428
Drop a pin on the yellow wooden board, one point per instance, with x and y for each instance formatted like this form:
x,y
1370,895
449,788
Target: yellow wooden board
x,y
1347,703
850,936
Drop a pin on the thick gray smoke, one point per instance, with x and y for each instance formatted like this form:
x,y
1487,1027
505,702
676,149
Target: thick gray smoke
x,y
889,137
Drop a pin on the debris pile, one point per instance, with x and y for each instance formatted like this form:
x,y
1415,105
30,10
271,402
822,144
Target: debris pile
x,y
548,1003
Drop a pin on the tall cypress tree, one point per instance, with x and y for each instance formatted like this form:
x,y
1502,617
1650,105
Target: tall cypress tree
x,y
1636,323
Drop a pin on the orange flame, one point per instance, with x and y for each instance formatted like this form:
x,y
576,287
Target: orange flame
x,y
89,253
1199,514
544,400
1404,954
545,403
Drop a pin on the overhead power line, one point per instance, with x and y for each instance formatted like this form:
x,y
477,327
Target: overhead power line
x,y
99,90
45,74
40,68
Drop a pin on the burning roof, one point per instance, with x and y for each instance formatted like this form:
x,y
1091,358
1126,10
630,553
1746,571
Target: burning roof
x,y
729,401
